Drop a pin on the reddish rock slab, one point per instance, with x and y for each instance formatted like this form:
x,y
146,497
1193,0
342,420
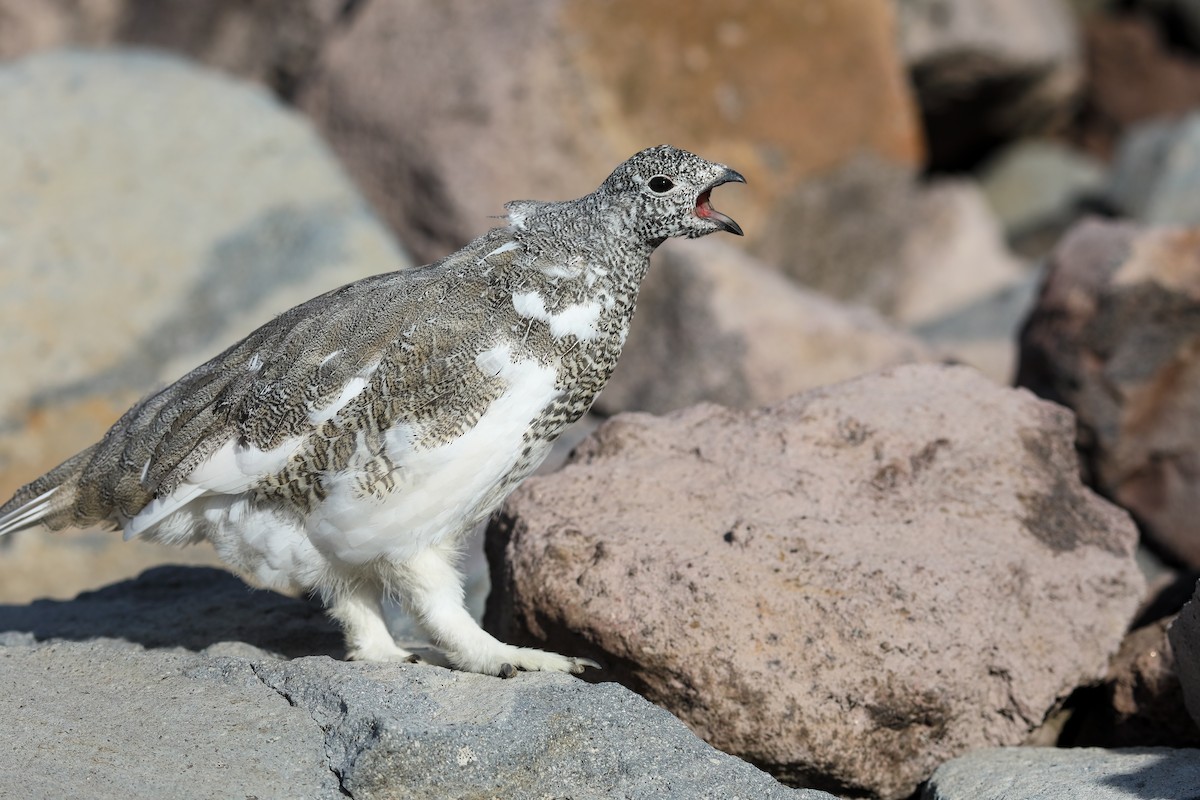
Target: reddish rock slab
x,y
1184,635
1115,336
847,588
1134,75
1140,703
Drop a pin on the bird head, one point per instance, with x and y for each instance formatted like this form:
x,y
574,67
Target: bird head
x,y
666,192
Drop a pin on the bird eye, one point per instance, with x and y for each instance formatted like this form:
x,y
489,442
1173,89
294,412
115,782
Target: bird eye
x,y
661,183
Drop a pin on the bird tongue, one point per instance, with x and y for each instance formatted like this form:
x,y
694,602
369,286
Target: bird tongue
x,y
705,210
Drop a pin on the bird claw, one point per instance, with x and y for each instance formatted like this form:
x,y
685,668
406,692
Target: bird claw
x,y
579,664
574,665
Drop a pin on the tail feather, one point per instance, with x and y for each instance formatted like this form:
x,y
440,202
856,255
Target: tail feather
x,y
49,500
29,514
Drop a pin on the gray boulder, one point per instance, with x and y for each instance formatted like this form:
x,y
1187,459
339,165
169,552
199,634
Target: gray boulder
x,y
175,685
1157,171
1046,773
154,212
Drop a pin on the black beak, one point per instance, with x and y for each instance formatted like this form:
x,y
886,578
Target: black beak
x,y
705,210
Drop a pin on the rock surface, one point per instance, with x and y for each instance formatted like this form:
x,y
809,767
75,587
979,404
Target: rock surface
x,y
714,324
1045,773
988,71
154,213
953,255
410,95
1038,186
439,137
1185,640
94,714
847,588
1140,702
1115,336
1135,74
866,232
1156,171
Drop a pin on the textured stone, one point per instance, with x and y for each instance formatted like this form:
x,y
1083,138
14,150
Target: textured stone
x,y
1156,171
984,333
1046,773
1035,185
102,721
1140,702
953,255
716,325
847,588
1184,635
154,213
1134,75
988,71
1179,19
1115,336
28,27
94,713
867,232
410,95
438,136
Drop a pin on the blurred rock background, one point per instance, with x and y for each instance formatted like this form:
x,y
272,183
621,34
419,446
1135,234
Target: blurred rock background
x,y
1006,184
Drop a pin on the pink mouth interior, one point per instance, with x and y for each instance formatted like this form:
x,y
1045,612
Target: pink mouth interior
x,y
703,208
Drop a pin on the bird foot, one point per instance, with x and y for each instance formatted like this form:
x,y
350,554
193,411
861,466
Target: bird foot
x,y
382,652
512,660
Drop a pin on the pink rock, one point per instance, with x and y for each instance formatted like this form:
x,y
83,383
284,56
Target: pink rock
x,y
847,588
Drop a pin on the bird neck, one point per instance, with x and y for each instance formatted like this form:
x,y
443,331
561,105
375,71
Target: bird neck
x,y
592,229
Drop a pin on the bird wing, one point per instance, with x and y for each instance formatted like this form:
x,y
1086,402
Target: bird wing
x,y
238,418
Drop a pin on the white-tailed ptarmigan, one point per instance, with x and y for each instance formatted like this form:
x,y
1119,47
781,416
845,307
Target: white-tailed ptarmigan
x,y
350,444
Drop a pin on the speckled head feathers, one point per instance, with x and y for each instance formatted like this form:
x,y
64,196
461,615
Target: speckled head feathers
x,y
668,189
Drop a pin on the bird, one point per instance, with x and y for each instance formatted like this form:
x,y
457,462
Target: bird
x,y
347,447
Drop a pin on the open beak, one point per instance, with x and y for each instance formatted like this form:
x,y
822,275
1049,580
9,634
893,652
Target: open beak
x,y
704,208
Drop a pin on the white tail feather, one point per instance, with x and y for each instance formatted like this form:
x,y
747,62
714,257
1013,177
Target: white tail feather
x,y
27,515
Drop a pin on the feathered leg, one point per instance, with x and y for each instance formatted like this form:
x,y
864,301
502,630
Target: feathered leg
x,y
433,589
360,611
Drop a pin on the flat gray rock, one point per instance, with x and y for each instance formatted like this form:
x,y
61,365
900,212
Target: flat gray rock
x,y
172,686
101,720
1048,773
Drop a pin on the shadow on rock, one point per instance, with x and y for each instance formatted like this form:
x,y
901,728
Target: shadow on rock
x,y
188,607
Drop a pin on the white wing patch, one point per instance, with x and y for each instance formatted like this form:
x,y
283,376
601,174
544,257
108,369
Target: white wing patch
x,y
577,320
353,388
504,248
233,469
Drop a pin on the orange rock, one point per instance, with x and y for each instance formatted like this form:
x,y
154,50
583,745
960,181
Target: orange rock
x,y
443,112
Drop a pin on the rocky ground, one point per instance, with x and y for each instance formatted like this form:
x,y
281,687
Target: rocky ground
x,y
893,499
